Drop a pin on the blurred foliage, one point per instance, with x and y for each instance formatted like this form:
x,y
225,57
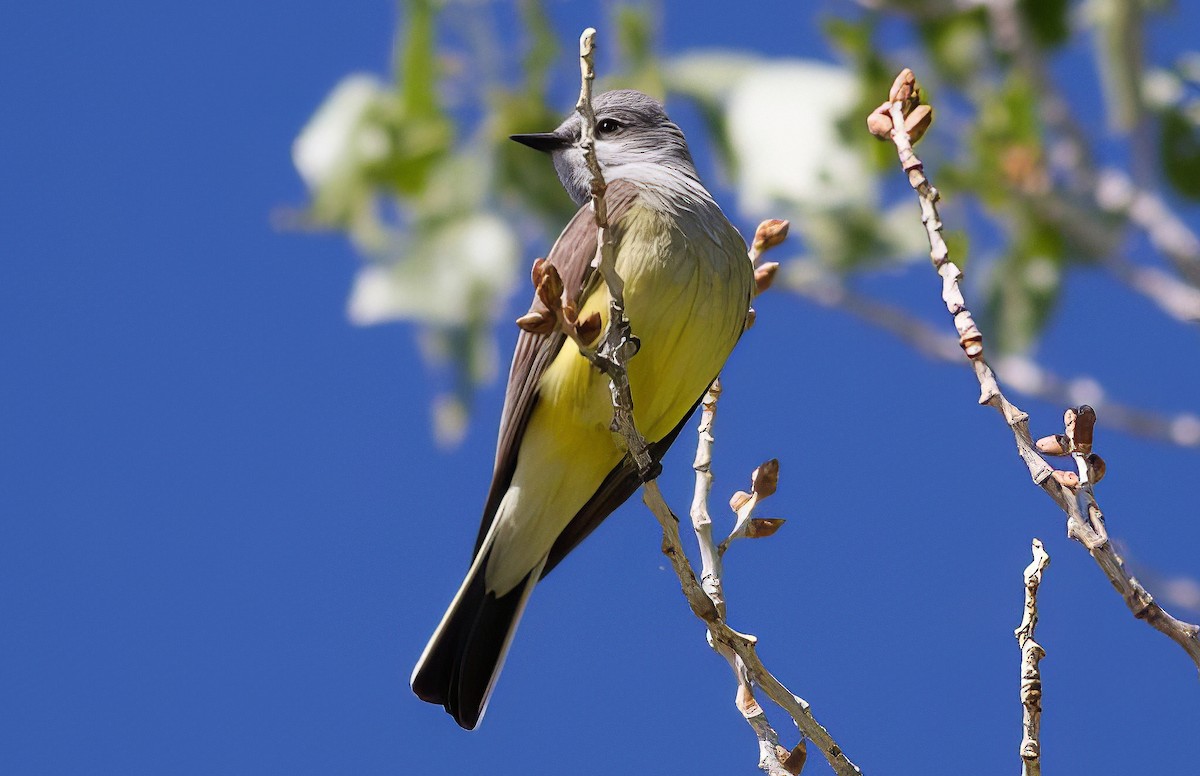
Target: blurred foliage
x,y
1048,21
447,213
1180,143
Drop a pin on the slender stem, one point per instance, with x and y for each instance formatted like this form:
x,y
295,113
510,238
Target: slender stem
x,y
1031,675
1084,524
618,345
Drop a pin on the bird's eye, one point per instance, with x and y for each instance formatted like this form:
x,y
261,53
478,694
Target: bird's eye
x,y
607,126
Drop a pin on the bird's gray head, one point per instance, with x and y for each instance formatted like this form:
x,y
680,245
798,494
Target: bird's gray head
x,y
634,140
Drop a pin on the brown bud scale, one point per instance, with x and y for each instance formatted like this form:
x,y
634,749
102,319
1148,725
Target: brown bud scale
x,y
1055,444
880,124
764,276
765,478
536,322
917,122
771,232
1066,479
589,329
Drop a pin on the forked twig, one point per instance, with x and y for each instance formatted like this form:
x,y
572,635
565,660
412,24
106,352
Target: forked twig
x,y
618,344
902,119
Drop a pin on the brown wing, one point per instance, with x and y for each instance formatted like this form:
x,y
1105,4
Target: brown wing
x,y
572,256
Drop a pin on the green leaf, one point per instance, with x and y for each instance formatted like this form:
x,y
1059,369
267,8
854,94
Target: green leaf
x,y
958,42
1048,21
848,239
1006,143
852,37
855,39
1024,288
635,42
415,145
416,59
1118,50
522,174
542,52
958,241
1179,150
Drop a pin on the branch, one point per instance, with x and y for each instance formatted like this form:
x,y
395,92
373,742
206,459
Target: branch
x,y
1031,676
743,645
1021,373
774,759
1116,192
617,346
895,120
710,558
1112,190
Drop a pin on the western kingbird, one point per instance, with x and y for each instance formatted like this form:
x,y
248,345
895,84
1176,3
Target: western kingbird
x,y
559,469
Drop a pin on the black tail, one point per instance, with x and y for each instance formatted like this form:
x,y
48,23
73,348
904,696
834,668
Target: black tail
x,y
461,662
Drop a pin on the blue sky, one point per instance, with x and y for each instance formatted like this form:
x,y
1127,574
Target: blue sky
x,y
225,534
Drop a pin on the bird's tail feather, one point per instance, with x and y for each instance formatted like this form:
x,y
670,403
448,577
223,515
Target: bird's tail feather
x,y
459,666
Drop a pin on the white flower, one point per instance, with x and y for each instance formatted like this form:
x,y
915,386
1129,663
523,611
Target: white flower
x,y
782,119
335,139
783,125
439,278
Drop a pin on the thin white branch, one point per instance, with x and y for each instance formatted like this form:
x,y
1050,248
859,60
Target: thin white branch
x,y
1117,193
774,759
617,347
1031,675
1173,296
618,344
740,643
710,573
1086,530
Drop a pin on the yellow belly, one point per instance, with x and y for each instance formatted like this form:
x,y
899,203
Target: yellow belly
x,y
686,300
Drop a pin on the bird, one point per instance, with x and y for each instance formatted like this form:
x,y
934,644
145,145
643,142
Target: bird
x,y
559,468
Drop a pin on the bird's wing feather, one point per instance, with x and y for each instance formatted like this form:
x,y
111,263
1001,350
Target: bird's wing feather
x,y
572,256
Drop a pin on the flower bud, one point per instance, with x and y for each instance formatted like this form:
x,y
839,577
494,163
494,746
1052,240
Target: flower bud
x,y
550,289
536,322
762,527
765,478
917,122
904,87
770,233
589,329
879,123
764,276
1066,479
1055,444
1081,424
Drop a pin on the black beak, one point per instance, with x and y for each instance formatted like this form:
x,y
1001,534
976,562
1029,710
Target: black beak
x,y
541,141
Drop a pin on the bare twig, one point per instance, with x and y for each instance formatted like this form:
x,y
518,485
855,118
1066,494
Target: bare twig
x,y
1117,193
710,574
740,643
1031,676
772,756
763,481
1173,296
618,345
1064,488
